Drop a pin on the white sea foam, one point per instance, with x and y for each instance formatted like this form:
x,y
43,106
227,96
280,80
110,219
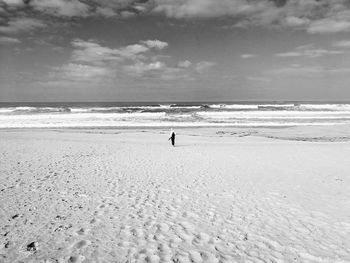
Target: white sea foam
x,y
175,115
234,106
272,114
119,124
330,107
6,110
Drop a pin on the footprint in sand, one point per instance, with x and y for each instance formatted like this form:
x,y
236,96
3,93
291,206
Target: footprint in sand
x,y
82,231
82,244
98,213
94,221
152,259
76,259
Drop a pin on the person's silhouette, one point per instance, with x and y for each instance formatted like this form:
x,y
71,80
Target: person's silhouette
x,y
172,137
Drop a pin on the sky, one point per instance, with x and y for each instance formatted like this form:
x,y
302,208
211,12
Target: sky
x,y
174,50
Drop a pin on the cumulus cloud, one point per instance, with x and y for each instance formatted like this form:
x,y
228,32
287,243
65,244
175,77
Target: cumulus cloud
x,y
293,21
81,72
155,70
16,25
74,74
202,66
184,64
9,40
91,60
90,51
132,50
155,44
140,68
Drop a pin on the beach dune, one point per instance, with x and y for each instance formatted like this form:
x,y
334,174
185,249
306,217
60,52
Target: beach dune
x,y
129,196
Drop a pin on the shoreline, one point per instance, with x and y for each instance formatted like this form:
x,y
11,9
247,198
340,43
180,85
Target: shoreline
x,y
330,133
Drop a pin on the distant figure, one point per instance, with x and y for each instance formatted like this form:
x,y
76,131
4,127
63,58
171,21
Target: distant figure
x,y
172,137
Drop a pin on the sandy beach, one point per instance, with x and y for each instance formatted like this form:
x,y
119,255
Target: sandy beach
x,y
257,92
220,195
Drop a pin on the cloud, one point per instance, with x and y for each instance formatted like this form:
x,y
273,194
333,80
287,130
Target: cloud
x,y
16,25
61,7
328,26
90,51
342,44
258,79
289,54
13,2
245,56
77,75
9,40
81,72
293,21
93,61
207,8
140,68
106,12
203,66
297,70
156,70
184,64
313,16
132,50
155,44
52,7
309,51
83,8
122,8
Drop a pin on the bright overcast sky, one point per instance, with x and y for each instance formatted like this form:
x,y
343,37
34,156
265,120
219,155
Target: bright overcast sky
x,y
168,50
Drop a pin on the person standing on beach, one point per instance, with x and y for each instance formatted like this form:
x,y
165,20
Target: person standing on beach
x,y
172,137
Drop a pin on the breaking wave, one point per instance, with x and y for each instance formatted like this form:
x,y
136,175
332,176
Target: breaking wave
x,y
176,115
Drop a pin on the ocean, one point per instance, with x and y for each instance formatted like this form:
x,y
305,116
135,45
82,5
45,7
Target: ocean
x,y
184,114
